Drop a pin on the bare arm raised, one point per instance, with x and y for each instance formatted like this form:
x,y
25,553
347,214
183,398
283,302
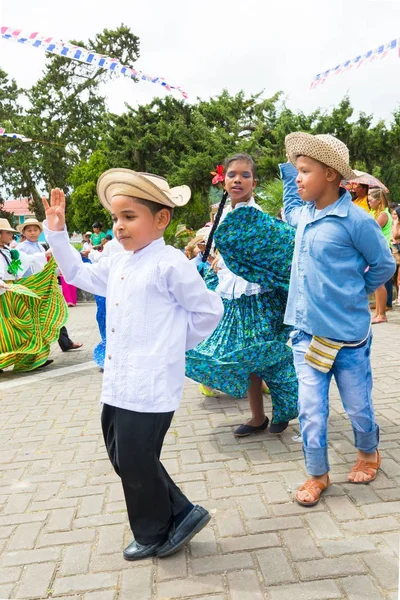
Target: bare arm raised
x,y
92,278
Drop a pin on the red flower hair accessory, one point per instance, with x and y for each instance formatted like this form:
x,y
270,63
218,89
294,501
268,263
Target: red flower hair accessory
x,y
219,176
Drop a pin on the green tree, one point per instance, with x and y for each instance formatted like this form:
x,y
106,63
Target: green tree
x,y
68,116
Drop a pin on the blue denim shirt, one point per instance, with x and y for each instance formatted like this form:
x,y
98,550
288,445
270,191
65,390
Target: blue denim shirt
x,y
329,283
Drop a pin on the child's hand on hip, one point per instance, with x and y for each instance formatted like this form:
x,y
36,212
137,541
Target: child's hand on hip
x,y
55,211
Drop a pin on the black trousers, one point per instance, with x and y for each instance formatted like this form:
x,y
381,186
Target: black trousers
x,y
64,341
134,441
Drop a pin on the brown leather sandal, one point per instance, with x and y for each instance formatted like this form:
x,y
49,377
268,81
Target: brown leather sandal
x,y
368,467
315,488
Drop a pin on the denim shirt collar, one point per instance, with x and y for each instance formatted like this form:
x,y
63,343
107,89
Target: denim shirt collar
x,y
340,208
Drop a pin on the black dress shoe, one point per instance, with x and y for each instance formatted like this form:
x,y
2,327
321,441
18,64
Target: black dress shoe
x,y
178,536
245,429
278,427
136,551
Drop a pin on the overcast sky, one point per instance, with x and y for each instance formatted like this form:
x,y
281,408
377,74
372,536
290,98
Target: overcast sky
x,y
208,45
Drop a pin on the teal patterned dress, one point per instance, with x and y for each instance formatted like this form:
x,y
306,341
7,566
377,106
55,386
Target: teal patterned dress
x,y
251,337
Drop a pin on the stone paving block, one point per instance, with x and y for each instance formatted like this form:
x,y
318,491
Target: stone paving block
x,y
76,560
244,490
172,567
229,523
342,508
249,542
10,574
60,520
274,524
221,563
361,494
6,590
244,585
25,557
137,584
275,493
84,583
92,505
382,508
360,587
331,567
36,581
323,526
385,568
204,544
190,587
252,507
218,478
275,567
103,595
312,590
66,537
372,525
300,544
350,545
18,503
196,491
24,536
47,491
111,539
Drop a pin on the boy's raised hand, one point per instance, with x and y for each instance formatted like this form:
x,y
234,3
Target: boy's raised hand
x,y
55,211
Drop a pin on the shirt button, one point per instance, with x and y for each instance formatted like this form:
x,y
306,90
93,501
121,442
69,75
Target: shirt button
x,y
122,277
113,330
117,304
109,357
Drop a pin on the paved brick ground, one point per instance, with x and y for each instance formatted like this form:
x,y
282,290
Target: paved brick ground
x,y
63,523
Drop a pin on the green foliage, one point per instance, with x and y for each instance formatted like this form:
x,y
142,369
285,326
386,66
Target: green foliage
x,y
269,196
183,142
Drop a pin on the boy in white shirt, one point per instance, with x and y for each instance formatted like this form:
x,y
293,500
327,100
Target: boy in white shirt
x,y
157,308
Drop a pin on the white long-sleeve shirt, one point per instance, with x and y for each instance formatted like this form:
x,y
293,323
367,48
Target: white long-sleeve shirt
x,y
37,255
112,247
158,307
5,260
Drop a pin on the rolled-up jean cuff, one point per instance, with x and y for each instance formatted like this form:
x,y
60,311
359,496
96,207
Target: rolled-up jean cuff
x,y
316,460
366,442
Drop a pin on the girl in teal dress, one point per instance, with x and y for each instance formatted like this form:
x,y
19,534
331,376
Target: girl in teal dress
x,y
250,342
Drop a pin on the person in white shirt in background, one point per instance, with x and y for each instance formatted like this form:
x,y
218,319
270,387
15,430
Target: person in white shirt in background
x,y
157,308
111,246
31,230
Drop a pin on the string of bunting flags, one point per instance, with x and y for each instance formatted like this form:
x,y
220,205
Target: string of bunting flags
x,y
14,136
362,59
83,55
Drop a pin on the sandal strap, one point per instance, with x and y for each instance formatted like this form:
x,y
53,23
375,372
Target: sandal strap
x,y
314,486
366,466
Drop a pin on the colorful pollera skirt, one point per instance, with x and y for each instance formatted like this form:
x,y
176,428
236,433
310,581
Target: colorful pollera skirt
x,y
29,324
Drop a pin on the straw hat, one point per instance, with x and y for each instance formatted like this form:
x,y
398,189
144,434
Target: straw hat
x,y
116,182
30,221
201,236
5,226
325,148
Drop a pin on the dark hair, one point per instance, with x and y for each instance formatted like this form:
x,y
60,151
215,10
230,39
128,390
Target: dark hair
x,y
397,210
108,237
97,225
393,205
243,157
155,207
240,156
365,186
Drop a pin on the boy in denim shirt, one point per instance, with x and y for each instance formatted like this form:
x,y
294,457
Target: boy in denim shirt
x,y
340,257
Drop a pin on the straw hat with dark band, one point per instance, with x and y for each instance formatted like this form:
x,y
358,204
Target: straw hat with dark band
x,y
325,148
30,221
124,182
5,226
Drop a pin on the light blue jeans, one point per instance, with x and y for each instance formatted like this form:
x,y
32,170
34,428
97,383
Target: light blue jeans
x,y
352,372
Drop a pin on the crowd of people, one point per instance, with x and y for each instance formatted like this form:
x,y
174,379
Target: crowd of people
x,y
254,304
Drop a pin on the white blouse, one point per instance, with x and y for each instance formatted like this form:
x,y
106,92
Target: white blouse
x,y
158,307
